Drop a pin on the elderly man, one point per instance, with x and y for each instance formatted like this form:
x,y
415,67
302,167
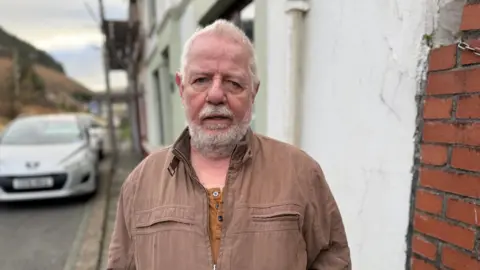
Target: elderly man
x,y
223,197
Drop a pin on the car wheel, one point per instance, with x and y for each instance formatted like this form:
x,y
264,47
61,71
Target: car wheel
x,y
96,182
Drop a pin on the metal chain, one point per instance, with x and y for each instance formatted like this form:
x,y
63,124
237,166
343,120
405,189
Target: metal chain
x,y
465,47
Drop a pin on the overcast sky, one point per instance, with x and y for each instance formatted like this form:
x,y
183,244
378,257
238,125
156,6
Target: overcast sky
x,y
67,31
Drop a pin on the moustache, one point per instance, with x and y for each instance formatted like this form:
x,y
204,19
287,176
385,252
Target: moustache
x,y
211,111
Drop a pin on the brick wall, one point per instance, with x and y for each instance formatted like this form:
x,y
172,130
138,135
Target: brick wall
x,y
445,218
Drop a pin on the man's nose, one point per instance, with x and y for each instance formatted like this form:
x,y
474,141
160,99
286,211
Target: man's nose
x,y
215,94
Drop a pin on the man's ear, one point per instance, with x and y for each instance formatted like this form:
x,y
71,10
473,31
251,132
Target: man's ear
x,y
255,91
178,81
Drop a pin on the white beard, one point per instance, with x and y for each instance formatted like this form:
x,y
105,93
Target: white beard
x,y
221,144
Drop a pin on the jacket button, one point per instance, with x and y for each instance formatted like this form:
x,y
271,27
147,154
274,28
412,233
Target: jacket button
x,y
220,218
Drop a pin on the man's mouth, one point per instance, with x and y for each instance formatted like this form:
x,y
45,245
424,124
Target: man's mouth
x,y
216,117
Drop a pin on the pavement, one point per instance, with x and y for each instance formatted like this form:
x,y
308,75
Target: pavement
x,y
126,163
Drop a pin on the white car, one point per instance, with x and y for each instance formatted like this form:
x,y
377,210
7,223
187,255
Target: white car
x,y
46,157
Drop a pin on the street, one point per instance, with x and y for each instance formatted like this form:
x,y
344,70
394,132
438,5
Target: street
x,y
43,235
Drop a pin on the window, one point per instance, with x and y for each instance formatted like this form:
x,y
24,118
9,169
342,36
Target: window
x,y
40,131
158,93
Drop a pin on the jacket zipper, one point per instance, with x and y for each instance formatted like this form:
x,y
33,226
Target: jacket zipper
x,y
192,173
208,223
224,197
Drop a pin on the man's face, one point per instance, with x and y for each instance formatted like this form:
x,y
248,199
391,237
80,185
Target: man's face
x,y
217,91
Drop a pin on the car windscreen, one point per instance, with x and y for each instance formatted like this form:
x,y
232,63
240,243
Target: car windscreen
x,y
37,131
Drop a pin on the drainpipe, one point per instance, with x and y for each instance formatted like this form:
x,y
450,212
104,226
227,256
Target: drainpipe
x,y
295,11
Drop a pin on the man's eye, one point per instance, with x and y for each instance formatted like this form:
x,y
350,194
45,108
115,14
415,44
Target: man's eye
x,y
235,84
200,80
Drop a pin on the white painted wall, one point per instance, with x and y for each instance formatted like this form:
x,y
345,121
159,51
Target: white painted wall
x,y
152,112
361,76
276,68
151,104
188,26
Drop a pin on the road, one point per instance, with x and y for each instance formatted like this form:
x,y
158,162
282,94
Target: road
x,y
42,235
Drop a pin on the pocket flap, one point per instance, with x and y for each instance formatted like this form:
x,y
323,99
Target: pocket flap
x,y
276,211
277,215
147,218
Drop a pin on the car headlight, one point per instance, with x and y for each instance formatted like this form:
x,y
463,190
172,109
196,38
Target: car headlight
x,y
78,160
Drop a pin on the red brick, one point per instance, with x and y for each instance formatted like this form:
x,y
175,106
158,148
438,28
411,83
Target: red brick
x,y
428,202
468,57
442,58
462,184
453,82
470,18
468,134
433,154
437,108
424,247
458,260
468,106
466,159
447,232
463,211
418,264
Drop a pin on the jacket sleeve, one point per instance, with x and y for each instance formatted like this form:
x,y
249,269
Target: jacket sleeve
x,y
324,232
121,249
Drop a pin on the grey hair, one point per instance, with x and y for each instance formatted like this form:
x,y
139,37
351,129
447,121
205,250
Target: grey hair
x,y
226,29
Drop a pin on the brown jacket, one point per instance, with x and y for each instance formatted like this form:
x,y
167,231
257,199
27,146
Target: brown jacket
x,y
279,213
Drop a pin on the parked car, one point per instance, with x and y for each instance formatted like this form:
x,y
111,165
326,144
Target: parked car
x,y
98,132
47,156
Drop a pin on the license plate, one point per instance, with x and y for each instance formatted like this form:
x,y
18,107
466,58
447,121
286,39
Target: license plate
x,y
33,183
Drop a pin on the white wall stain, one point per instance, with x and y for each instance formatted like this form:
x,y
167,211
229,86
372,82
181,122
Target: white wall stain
x,y
364,64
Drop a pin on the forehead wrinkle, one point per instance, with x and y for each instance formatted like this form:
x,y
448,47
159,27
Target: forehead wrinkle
x,y
217,69
225,51
229,66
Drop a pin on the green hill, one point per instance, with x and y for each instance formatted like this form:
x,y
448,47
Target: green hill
x,y
9,41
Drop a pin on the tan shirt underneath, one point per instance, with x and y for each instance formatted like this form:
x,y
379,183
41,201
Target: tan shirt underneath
x,y
216,218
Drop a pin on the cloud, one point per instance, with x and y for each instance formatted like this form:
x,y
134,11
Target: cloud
x,y
70,41
86,66
67,30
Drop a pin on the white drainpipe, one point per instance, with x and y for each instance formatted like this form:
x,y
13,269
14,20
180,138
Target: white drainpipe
x,y
295,11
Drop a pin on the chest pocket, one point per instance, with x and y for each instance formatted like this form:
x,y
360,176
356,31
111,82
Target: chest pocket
x,y
281,217
161,233
268,237
164,218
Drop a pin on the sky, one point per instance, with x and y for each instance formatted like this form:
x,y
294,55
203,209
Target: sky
x,y
68,32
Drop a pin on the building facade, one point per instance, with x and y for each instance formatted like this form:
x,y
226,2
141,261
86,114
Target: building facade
x,y
378,92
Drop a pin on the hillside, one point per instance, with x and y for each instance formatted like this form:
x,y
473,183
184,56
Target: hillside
x,y
9,41
42,83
